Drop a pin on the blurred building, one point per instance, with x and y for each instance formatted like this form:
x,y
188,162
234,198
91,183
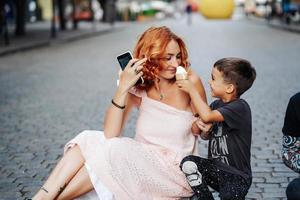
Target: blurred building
x,y
145,9
66,14
18,13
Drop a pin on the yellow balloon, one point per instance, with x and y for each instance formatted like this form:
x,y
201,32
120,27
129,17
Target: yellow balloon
x,y
217,9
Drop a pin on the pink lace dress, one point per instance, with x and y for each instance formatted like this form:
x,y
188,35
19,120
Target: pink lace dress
x,y
146,167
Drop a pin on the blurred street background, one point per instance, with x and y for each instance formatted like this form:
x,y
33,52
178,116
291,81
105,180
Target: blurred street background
x,y
58,72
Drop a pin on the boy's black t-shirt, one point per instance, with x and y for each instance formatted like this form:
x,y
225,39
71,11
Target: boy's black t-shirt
x,y
292,117
231,139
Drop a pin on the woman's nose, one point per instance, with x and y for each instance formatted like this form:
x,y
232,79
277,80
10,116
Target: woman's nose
x,y
174,62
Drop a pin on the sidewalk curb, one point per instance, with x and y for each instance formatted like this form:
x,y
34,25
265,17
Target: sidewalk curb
x,y
276,23
83,36
58,40
25,48
280,25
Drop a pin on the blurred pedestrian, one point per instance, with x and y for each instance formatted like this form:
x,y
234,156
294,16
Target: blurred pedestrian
x,y
146,167
3,23
291,144
188,11
227,169
109,11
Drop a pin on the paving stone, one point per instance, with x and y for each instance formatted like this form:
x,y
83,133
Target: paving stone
x,y
258,180
254,195
261,169
267,185
273,195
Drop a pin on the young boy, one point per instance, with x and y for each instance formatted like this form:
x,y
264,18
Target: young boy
x,y
227,125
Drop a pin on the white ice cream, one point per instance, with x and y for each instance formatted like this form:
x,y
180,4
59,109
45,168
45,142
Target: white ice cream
x,y
181,73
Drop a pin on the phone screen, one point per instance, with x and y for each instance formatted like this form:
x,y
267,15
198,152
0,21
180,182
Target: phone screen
x,y
123,59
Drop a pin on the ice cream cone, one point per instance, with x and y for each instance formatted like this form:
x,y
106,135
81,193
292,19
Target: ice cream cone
x,y
181,74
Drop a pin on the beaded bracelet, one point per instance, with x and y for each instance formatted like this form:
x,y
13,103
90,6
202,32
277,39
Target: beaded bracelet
x,y
117,105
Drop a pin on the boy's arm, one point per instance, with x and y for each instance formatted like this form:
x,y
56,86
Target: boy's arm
x,y
196,81
204,111
200,106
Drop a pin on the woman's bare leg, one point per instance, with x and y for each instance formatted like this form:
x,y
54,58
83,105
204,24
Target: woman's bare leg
x,y
64,171
79,185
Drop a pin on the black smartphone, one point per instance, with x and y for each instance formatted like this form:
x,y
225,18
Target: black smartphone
x,y
123,60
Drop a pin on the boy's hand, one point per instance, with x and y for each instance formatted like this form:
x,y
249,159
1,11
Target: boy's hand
x,y
186,85
205,127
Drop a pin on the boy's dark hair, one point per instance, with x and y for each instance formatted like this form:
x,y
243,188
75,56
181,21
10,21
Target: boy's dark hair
x,y
237,71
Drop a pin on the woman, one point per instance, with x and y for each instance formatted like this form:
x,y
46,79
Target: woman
x,y
146,167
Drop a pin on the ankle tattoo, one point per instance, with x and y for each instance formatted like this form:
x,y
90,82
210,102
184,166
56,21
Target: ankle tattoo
x,y
61,189
42,188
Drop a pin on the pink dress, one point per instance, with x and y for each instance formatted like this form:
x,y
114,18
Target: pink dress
x,y
146,167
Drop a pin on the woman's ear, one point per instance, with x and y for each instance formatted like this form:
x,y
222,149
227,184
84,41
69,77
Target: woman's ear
x,y
230,88
156,81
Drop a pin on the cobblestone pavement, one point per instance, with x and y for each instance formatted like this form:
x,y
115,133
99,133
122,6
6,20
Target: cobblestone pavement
x,y
49,95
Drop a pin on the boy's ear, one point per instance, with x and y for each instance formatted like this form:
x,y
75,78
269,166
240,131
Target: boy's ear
x,y
230,88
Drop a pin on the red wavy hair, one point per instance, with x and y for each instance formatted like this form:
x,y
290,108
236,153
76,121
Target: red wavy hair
x,y
152,45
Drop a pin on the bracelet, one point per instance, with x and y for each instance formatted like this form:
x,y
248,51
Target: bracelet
x,y
117,105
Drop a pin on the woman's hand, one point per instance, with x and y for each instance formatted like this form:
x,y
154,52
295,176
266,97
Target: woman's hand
x,y
131,74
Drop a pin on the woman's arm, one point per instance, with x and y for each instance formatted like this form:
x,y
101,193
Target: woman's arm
x,y
116,118
195,129
122,102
